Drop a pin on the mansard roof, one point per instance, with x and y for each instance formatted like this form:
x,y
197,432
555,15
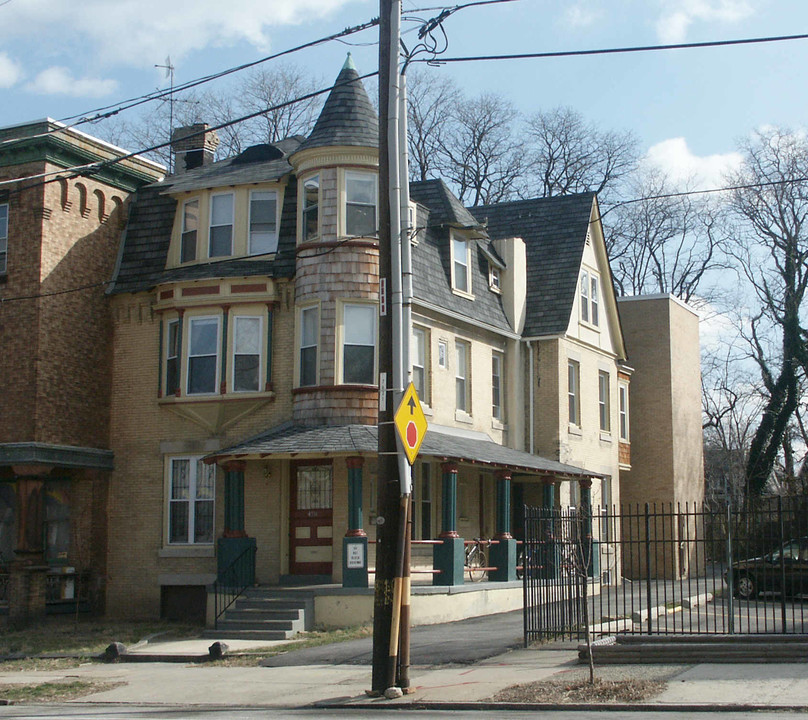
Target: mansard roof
x,y
554,230
347,117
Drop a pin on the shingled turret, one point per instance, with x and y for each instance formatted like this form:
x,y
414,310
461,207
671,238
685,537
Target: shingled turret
x,y
348,117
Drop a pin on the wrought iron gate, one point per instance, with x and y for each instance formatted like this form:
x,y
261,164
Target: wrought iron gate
x,y
668,569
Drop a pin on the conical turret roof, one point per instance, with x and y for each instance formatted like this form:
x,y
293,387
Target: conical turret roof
x,y
347,118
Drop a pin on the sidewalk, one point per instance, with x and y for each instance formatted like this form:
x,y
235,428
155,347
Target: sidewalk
x,y
747,686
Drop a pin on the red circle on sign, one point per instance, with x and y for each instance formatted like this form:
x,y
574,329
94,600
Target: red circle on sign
x,y
412,434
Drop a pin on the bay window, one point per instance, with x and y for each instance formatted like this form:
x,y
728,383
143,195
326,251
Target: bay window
x,y
203,355
360,204
311,207
173,357
309,331
246,354
359,344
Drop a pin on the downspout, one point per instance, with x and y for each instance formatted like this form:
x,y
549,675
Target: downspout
x,y
530,355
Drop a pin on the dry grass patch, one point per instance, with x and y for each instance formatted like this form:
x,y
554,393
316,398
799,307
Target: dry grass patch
x,y
582,691
53,691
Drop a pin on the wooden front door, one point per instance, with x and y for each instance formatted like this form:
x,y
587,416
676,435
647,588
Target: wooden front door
x,y
311,520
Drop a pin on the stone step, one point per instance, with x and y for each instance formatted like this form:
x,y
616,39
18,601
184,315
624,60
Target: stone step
x,y
248,634
268,604
259,614
227,624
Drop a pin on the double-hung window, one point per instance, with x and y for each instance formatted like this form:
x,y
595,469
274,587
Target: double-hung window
x,y
418,356
594,296
585,296
263,222
221,225
311,207
622,393
309,332
203,355
360,204
359,344
496,385
190,226
191,495
574,392
246,354
461,376
604,401
3,238
172,357
461,279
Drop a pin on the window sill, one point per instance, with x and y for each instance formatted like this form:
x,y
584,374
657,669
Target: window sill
x,y
605,436
498,424
574,429
463,417
186,551
426,409
216,397
463,293
590,326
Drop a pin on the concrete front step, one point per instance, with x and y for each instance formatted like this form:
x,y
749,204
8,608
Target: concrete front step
x,y
259,614
247,634
626,651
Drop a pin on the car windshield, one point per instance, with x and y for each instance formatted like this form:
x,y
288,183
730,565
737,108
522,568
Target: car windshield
x,y
791,551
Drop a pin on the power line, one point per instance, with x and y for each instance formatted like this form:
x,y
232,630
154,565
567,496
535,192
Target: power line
x,y
615,51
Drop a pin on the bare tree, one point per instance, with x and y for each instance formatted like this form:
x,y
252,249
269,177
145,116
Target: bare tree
x,y
663,244
771,247
430,103
480,155
567,155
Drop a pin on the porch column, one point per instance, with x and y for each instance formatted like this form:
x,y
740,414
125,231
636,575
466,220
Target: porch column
x,y
590,549
355,542
28,572
547,554
548,493
503,554
234,558
448,557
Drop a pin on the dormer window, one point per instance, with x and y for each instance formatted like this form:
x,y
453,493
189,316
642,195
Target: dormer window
x,y
221,226
190,226
461,280
263,222
494,278
311,207
360,204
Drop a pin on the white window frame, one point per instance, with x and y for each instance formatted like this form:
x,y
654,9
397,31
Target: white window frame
x,y
194,465
315,310
374,343
443,353
211,225
184,231
584,296
356,174
462,376
623,398
574,392
419,354
173,325
594,299
234,353
188,356
494,278
274,239
464,262
304,208
4,209
604,401
497,385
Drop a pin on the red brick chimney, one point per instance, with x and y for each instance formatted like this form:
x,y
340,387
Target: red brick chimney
x,y
193,146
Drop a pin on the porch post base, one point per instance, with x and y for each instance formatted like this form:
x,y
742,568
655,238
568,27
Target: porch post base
x,y
355,562
26,593
448,557
502,556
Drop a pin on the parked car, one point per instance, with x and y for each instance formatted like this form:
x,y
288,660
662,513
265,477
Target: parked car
x,y
784,570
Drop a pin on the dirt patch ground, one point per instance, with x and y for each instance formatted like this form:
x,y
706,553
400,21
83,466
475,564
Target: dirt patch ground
x,y
52,691
582,691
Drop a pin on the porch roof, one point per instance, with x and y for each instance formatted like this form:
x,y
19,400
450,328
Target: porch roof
x,y
445,443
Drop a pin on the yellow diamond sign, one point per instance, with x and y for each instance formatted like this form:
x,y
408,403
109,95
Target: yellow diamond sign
x,y
410,423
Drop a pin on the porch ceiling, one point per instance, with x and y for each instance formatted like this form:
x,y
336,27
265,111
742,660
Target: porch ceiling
x,y
443,443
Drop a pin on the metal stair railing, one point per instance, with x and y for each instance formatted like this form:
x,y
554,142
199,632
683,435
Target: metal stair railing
x,y
232,582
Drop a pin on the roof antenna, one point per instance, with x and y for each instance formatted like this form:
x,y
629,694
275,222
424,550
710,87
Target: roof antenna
x,y
169,68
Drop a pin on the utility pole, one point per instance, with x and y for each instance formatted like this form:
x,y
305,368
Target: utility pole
x,y
387,529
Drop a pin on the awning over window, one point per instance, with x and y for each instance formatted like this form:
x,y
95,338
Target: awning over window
x,y
443,443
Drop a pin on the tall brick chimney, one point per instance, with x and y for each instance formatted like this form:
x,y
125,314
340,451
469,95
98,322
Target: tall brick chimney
x,y
193,146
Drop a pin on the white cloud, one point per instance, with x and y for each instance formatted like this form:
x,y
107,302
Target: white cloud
x,y
142,32
581,15
676,160
679,15
10,72
59,81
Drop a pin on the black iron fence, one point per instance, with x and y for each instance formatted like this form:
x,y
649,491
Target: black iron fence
x,y
666,569
233,581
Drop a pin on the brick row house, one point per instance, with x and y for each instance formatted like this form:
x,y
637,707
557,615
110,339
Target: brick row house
x,y
242,337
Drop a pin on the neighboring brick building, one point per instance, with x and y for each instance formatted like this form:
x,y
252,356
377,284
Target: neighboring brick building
x,y
58,244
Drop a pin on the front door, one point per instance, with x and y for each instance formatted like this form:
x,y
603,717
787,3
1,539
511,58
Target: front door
x,y
311,513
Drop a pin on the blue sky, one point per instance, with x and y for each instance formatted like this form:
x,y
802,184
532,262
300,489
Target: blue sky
x,y
688,107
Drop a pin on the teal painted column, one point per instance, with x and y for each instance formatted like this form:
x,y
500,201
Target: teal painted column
x,y
448,557
548,494
590,548
355,542
503,553
234,541
223,378
546,555
268,386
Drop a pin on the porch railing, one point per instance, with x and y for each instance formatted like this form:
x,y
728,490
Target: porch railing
x,y
232,582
